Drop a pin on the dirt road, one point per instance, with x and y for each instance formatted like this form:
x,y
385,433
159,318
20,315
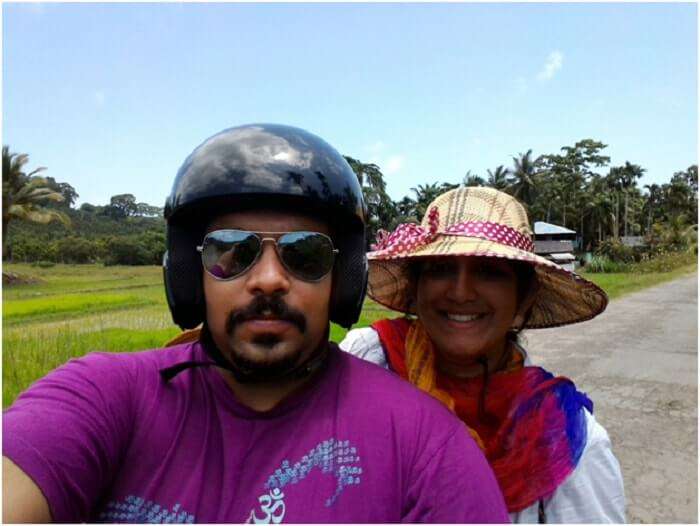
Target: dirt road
x,y
638,362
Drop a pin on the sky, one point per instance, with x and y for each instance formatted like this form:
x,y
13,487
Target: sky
x,y
111,98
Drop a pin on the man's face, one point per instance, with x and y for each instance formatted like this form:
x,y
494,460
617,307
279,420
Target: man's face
x,y
266,319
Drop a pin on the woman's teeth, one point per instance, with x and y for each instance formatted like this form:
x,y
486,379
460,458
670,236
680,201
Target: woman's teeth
x,y
464,317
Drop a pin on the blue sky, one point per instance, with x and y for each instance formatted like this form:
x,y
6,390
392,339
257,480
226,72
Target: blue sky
x,y
113,97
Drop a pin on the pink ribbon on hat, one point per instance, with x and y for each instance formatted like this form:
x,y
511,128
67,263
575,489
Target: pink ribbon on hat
x,y
409,236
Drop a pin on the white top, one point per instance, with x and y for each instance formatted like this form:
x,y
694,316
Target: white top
x,y
592,493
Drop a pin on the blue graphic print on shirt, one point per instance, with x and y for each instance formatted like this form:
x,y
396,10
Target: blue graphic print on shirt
x,y
331,456
136,510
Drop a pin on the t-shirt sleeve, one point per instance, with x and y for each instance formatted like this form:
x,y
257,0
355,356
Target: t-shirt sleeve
x,y
453,483
67,432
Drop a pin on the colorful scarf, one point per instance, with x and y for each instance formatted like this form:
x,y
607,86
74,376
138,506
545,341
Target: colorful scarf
x,y
532,427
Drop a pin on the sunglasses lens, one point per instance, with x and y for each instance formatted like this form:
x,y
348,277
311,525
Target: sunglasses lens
x,y
228,253
307,255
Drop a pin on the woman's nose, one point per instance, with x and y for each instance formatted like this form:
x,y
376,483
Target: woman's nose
x,y
462,287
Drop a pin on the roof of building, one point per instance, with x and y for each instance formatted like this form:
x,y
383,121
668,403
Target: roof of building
x,y
547,228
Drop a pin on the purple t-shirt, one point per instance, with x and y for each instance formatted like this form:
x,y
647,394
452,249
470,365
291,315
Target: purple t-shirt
x,y
107,440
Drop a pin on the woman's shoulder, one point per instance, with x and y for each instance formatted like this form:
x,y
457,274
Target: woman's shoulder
x,y
593,492
364,343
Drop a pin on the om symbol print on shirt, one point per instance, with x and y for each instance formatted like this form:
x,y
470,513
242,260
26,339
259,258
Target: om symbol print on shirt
x,y
331,456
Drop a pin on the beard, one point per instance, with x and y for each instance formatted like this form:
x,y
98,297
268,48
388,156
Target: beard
x,y
266,354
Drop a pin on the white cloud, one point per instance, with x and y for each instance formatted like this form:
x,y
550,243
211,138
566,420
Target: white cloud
x,y
553,64
393,164
99,98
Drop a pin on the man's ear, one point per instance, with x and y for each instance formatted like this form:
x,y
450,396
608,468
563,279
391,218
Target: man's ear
x,y
523,312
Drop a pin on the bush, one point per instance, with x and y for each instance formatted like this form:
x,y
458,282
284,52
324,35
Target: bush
x,y
665,262
76,250
603,264
33,249
617,252
126,251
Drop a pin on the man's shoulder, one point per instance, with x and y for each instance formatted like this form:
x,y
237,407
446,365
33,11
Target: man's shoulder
x,y
386,390
157,357
116,367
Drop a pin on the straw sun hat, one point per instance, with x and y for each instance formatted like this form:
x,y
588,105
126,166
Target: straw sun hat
x,y
478,221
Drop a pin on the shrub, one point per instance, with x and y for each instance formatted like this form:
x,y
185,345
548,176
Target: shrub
x,y
665,262
76,250
603,264
616,251
126,251
33,249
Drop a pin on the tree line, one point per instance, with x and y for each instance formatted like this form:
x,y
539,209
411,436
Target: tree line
x,y
575,188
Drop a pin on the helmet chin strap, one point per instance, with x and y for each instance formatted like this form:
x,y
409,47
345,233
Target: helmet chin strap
x,y
249,376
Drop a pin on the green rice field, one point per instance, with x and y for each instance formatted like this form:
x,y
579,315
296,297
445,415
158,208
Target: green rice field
x,y
72,310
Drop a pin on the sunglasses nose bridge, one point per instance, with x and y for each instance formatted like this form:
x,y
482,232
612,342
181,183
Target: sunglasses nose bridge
x,y
268,273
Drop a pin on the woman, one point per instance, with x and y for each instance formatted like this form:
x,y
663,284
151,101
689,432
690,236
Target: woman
x,y
470,281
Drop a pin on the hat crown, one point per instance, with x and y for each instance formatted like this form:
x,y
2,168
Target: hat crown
x,y
477,203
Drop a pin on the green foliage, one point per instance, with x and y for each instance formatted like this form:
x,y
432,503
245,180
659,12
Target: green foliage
x,y
674,235
617,252
25,195
658,263
665,262
74,249
603,264
621,283
134,250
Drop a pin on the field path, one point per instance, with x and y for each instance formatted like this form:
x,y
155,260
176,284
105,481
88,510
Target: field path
x,y
638,362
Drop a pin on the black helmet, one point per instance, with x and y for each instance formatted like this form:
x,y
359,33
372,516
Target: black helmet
x,y
273,166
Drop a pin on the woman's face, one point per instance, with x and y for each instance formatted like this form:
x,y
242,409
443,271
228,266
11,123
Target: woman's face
x,y
467,305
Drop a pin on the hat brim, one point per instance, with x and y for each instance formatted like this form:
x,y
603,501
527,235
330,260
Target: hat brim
x,y
563,297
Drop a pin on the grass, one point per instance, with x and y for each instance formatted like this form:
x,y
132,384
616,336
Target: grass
x,y
618,284
76,309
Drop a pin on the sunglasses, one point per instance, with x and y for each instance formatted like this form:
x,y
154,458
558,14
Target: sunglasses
x,y
227,254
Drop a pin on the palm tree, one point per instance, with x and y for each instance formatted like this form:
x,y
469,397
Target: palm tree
x,y
599,205
523,183
653,203
632,172
24,195
471,179
426,193
498,179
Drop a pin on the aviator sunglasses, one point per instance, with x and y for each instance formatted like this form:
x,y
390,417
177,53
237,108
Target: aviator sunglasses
x,y
226,254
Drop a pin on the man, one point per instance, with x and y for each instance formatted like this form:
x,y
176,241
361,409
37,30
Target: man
x,y
262,420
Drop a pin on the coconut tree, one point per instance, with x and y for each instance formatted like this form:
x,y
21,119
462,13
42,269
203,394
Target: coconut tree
x,y
24,195
426,193
599,205
471,179
498,178
523,183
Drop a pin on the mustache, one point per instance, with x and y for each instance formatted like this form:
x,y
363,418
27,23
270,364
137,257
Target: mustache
x,y
266,305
